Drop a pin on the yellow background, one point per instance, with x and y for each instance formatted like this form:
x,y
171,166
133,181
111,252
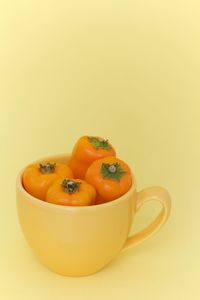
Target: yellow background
x,y
125,70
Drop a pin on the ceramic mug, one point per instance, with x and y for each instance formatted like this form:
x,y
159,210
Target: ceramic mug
x,y
77,241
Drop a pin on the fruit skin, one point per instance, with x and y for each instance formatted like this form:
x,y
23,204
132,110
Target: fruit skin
x,y
85,195
37,183
84,154
108,188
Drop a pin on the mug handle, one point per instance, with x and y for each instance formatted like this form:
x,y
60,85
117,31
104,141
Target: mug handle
x,y
152,193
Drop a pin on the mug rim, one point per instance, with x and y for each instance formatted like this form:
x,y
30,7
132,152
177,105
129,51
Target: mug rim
x,y
48,205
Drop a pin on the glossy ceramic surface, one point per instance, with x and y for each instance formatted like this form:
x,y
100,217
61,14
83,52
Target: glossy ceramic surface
x,y
77,241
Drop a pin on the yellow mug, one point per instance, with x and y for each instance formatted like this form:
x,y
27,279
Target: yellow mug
x,y
77,241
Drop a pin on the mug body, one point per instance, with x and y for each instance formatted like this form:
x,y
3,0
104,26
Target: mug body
x,y
75,241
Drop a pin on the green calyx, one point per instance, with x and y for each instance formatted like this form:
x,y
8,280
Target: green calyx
x,y
70,186
99,143
47,168
112,171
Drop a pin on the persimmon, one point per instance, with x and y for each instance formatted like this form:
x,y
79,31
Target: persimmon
x,y
37,178
86,150
111,178
72,192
